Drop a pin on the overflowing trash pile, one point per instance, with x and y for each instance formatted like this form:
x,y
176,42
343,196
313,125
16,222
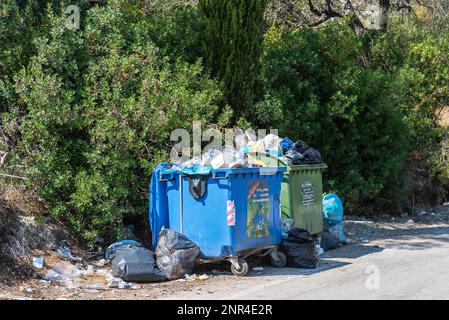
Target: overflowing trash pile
x,y
241,156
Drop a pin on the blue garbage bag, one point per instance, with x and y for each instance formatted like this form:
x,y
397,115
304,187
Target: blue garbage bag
x,y
333,216
286,144
158,203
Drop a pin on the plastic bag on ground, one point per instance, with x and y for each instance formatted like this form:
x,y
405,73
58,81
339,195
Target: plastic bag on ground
x,y
329,241
175,254
333,216
133,263
300,249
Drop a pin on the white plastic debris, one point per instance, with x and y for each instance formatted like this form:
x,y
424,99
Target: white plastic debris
x,y
52,275
114,282
66,253
38,262
319,250
359,221
364,239
410,221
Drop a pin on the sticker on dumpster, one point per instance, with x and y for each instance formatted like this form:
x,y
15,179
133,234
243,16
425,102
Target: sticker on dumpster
x,y
231,213
308,194
258,214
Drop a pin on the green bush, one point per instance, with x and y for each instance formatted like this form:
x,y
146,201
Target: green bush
x,y
318,91
98,106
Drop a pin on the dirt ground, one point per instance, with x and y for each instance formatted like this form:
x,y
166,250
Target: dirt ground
x,y
384,239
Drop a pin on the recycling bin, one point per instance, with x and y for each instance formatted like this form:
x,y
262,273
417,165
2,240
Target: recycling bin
x,y
302,190
230,213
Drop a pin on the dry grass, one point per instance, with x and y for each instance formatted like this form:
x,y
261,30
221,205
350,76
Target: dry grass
x,y
443,117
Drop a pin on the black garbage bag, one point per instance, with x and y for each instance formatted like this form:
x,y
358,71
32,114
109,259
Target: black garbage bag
x,y
310,156
300,249
300,146
134,263
329,241
175,254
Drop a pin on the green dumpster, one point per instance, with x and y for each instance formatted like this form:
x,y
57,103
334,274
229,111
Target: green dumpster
x,y
301,195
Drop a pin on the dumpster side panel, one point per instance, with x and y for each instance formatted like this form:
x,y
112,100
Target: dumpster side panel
x,y
206,221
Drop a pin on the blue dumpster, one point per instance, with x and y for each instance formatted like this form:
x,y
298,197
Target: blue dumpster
x,y
230,213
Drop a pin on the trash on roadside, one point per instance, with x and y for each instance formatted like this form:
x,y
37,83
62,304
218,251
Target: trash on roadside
x,y
410,221
175,254
300,249
114,282
52,275
38,262
329,241
67,270
364,239
333,216
194,277
100,263
134,263
66,253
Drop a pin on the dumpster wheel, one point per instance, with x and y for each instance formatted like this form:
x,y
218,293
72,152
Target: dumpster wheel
x,y
280,261
242,268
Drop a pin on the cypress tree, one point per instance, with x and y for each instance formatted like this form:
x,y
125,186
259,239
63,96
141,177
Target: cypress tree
x,y
232,46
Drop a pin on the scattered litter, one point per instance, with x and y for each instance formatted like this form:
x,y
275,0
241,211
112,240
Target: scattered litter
x,y
66,253
38,263
100,263
410,221
446,204
52,275
114,282
423,213
67,270
359,221
29,290
364,239
194,277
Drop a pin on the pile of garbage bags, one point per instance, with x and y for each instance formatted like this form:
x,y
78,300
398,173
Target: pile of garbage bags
x,y
174,258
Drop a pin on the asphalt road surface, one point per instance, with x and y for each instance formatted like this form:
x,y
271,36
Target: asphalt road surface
x,y
413,265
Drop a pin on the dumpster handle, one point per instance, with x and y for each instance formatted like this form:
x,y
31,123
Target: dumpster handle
x,y
216,176
166,177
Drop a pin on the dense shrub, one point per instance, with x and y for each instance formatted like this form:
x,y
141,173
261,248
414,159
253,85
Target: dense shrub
x,y
317,89
98,108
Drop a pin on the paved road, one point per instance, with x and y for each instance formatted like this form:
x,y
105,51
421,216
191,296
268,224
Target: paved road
x,y
411,266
